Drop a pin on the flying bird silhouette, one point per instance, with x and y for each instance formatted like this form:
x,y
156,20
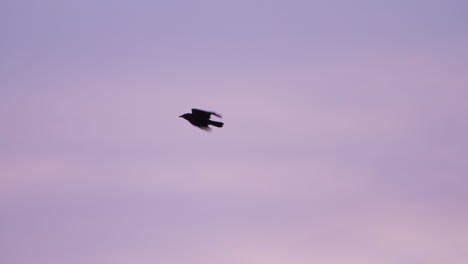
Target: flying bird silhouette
x,y
201,119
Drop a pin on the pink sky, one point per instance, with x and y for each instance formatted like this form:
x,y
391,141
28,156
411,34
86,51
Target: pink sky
x,y
344,140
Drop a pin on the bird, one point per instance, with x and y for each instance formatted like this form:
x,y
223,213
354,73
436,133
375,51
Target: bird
x,y
201,119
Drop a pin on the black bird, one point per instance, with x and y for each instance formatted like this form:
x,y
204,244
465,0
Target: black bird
x,y
201,119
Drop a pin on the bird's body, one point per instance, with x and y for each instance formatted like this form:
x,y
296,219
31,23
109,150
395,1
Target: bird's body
x,y
201,119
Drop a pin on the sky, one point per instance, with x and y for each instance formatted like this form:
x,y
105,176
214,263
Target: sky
x,y
344,139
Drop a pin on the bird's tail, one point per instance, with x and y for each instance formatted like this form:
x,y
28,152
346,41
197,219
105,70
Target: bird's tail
x,y
216,124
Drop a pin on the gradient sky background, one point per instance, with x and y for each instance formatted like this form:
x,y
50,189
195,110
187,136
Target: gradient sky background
x,y
345,138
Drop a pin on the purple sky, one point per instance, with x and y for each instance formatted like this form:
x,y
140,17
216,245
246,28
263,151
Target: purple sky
x,y
345,138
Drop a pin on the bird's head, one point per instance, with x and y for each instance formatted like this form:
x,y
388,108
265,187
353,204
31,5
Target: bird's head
x,y
184,116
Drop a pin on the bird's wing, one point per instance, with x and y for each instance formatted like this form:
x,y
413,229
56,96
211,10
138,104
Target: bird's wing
x,y
204,114
206,128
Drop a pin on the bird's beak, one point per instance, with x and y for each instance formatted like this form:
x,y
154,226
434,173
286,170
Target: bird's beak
x,y
180,116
